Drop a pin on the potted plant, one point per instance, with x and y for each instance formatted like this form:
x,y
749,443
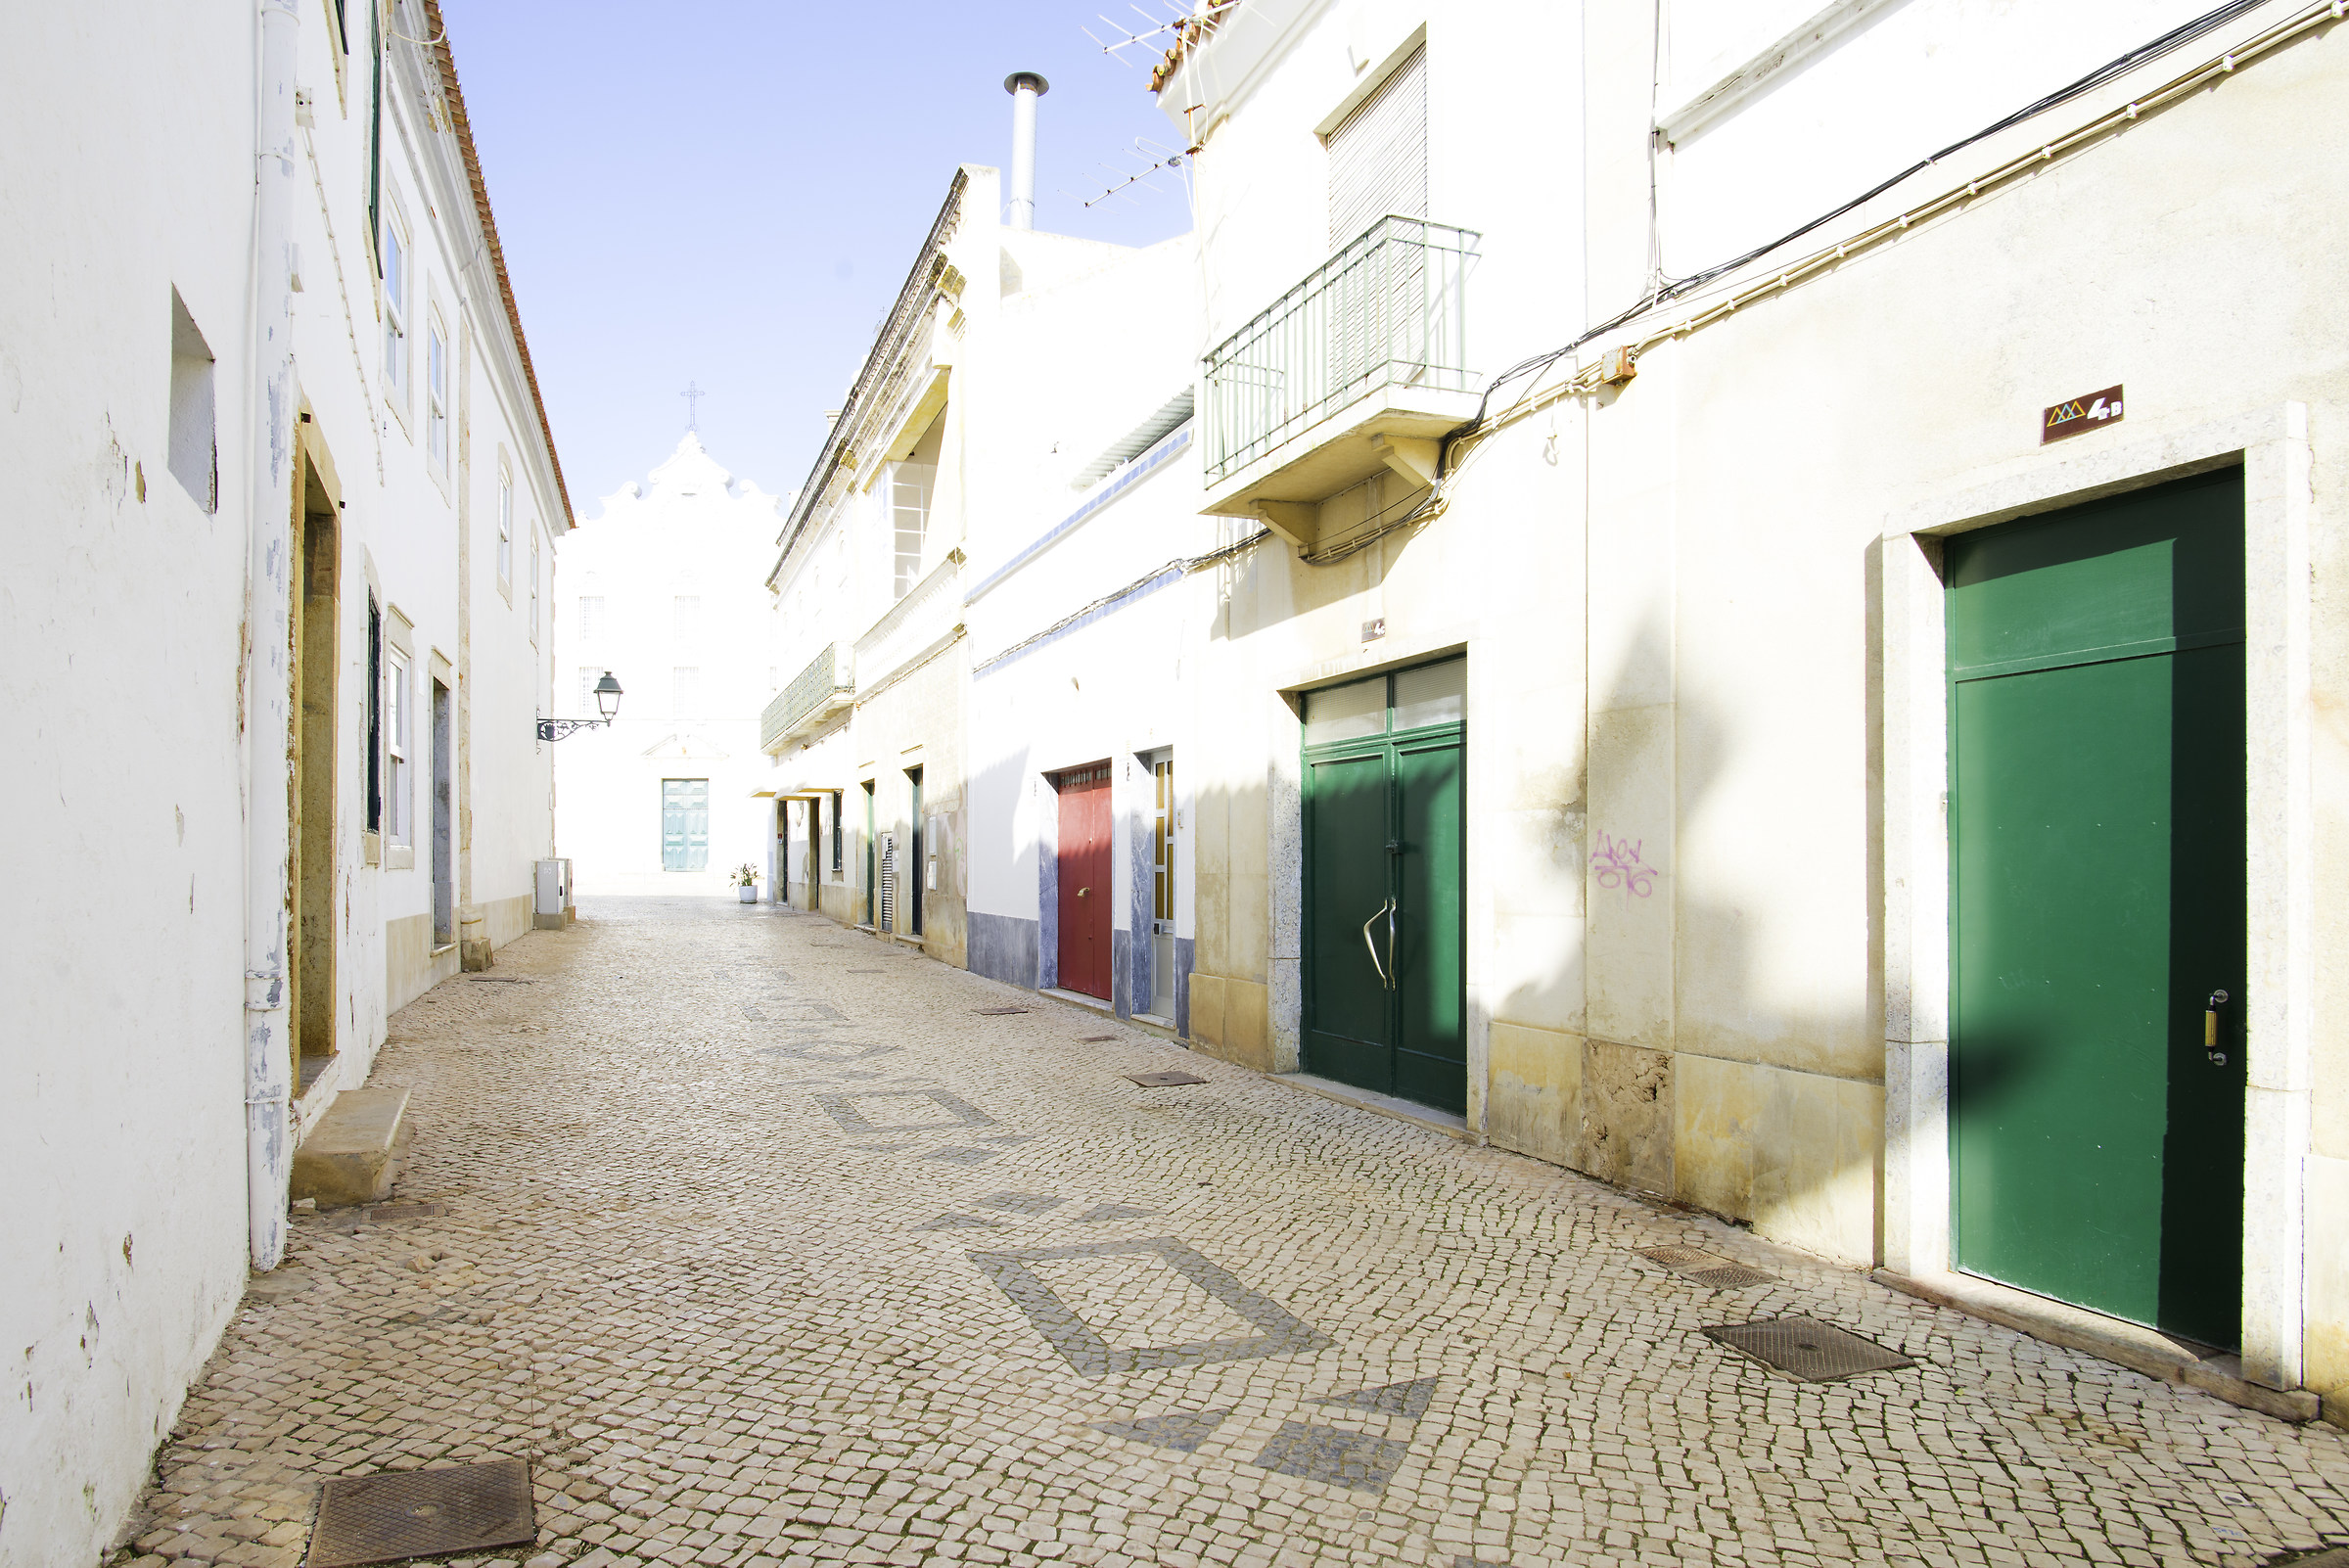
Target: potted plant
x,y
746,876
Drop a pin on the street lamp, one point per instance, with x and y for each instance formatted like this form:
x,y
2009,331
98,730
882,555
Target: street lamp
x,y
607,703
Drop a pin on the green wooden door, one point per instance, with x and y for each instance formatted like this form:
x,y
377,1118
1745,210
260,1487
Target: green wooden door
x,y
1384,924
2098,901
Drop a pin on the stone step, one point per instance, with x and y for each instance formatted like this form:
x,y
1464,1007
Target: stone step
x,y
353,1153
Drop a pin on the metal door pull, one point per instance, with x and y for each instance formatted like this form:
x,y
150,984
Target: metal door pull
x,y
1385,979
2210,1029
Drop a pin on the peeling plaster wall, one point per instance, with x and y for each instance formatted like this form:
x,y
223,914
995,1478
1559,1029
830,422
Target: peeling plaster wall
x,y
121,1072
123,607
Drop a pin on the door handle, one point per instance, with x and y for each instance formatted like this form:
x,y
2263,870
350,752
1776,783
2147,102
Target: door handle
x,y
1384,979
1082,891
2210,1029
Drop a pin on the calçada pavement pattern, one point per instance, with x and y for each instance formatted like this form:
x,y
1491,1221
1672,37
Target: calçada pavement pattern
x,y
765,1245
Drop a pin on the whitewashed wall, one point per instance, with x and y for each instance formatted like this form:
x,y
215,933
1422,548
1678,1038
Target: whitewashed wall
x,y
130,174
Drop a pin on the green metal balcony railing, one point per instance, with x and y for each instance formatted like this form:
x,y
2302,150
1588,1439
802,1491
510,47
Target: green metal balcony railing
x,y
820,684
1388,310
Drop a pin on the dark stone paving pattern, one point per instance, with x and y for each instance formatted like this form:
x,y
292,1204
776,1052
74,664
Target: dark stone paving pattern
x,y
727,1326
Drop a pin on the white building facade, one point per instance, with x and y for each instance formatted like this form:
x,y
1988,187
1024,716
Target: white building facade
x,y
662,589
288,503
1693,545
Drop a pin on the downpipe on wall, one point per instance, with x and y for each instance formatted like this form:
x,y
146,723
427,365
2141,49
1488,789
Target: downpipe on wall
x,y
268,675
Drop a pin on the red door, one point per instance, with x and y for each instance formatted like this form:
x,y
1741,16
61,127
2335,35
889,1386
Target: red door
x,y
1085,880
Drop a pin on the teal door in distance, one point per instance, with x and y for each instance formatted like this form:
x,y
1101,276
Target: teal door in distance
x,y
2096,827
1385,797
684,824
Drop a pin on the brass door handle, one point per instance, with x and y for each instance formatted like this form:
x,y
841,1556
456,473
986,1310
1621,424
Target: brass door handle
x,y
1082,891
1388,909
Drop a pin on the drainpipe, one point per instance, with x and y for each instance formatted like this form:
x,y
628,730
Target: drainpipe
x,y
268,692
1025,87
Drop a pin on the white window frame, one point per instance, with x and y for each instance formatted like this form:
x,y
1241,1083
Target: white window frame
x,y
399,263
505,526
436,393
399,830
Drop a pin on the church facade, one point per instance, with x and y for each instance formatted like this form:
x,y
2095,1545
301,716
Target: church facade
x,y
661,590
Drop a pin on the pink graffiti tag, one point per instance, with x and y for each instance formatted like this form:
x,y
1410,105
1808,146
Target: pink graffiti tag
x,y
1618,864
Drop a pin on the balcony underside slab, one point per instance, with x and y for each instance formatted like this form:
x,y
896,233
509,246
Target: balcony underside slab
x,y
1388,429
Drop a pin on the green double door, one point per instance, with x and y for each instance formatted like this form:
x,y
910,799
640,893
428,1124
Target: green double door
x,y
2096,827
1384,979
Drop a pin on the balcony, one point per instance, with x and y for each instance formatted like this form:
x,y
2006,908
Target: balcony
x,y
815,694
1359,369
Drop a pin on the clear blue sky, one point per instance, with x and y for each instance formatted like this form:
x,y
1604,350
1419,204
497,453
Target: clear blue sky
x,y
730,193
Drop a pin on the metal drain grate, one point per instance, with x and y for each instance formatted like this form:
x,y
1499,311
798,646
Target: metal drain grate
x,y
1162,1080
998,1012
1731,1276
1812,1350
1702,1268
423,1513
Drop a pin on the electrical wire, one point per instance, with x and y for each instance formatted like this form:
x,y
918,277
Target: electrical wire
x,y
2111,71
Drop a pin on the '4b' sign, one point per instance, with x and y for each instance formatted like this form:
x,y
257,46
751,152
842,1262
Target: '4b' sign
x,y
2080,414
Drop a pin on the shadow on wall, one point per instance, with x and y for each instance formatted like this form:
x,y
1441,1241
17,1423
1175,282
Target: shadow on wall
x,y
1690,1079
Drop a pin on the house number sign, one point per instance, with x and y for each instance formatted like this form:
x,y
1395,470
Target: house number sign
x,y
2079,415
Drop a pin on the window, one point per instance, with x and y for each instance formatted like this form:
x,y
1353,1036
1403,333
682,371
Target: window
x,y
398,748
1161,845
396,307
688,686
194,453
687,623
909,486
435,396
505,525
1410,699
684,824
533,586
588,676
837,861
592,616
1378,155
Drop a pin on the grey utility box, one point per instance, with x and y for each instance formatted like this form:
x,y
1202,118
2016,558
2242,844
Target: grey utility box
x,y
550,907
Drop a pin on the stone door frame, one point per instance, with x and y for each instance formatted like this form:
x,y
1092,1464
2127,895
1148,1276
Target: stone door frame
x,y
2279,506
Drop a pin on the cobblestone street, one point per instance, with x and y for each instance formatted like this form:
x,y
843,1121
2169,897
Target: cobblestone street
x,y
767,1243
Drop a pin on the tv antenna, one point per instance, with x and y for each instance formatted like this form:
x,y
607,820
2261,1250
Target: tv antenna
x,y
1155,156
1154,27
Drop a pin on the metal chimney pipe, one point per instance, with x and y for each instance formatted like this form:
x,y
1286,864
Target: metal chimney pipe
x,y
1025,87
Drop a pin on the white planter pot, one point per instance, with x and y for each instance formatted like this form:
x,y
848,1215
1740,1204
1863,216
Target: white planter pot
x,y
749,894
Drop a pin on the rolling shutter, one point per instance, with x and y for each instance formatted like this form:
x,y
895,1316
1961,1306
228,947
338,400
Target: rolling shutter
x,y
1378,155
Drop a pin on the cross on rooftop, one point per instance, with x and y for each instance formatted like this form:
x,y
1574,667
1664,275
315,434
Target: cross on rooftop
x,y
693,396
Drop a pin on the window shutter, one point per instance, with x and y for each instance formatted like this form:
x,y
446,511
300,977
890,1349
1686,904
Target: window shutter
x,y
1378,155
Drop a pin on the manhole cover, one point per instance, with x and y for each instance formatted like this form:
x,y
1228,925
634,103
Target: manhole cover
x,y
406,1211
998,1012
423,1513
1719,1273
1162,1080
1812,1350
